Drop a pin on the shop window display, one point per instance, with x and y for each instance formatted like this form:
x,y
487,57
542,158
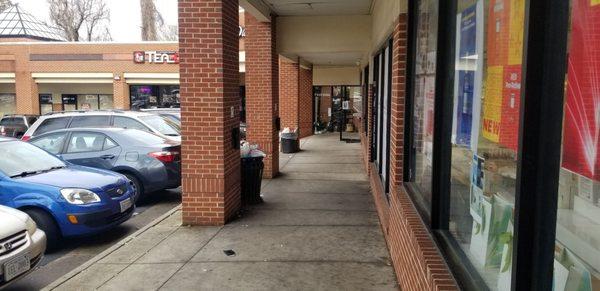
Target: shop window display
x,y
8,104
154,96
577,251
489,52
423,99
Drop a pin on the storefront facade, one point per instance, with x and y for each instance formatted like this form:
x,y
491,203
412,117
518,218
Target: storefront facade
x,y
480,143
54,76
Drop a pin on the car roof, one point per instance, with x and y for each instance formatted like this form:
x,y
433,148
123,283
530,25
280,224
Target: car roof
x,y
95,112
2,139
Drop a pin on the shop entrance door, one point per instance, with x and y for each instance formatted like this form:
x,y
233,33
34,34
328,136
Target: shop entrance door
x,y
69,102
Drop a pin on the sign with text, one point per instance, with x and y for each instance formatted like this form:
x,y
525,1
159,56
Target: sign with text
x,y
156,57
581,129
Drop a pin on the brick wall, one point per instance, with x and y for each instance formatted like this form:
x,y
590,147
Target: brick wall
x,y
208,36
305,102
416,259
288,93
262,90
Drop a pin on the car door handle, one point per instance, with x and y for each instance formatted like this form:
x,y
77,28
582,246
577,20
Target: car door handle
x,y
107,157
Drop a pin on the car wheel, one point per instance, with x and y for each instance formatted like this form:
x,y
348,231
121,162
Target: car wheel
x,y
139,188
46,223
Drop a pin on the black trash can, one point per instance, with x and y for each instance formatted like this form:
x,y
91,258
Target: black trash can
x,y
252,171
289,146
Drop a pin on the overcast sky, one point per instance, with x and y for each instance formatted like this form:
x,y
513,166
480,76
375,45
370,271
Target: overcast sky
x,y
125,18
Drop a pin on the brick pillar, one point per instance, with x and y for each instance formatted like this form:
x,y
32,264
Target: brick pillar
x,y
121,98
288,93
398,101
210,101
26,91
305,101
262,90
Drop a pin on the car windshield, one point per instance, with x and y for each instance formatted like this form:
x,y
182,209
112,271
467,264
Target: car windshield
x,y
162,125
20,159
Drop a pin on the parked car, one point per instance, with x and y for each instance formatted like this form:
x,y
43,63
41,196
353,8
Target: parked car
x,y
174,114
105,118
22,245
63,199
151,162
16,125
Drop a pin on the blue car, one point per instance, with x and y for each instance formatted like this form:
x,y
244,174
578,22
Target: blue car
x,y
63,199
150,162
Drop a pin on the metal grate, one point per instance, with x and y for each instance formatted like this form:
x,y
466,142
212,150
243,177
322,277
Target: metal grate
x,y
13,243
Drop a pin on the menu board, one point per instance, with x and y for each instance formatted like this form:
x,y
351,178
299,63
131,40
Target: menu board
x,y
582,107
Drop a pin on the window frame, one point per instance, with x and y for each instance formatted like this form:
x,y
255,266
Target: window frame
x,y
545,41
67,144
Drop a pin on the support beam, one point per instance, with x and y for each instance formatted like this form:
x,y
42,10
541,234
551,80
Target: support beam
x,y
258,9
262,90
210,102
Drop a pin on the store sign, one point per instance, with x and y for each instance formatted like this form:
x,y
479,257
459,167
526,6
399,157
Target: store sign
x,y
156,57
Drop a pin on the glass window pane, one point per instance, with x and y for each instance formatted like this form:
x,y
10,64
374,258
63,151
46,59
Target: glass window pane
x,y
52,143
8,104
106,102
126,122
86,142
424,93
577,252
90,121
51,124
485,129
87,102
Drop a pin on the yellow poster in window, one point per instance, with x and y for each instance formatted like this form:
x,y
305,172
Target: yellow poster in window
x,y
594,2
492,103
515,38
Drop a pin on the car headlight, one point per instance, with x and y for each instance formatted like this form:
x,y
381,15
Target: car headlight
x,y
79,196
31,226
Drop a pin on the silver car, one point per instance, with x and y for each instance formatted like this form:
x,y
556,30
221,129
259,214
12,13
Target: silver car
x,y
22,245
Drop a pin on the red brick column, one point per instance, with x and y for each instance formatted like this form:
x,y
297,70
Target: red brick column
x,y
262,90
208,47
305,101
288,93
398,101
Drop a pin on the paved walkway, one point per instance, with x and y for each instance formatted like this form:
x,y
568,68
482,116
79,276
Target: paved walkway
x,y
317,230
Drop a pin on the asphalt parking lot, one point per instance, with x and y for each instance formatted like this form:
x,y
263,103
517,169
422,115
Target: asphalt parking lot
x,y
77,251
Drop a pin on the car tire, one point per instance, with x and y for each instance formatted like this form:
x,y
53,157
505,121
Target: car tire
x,y
46,223
139,187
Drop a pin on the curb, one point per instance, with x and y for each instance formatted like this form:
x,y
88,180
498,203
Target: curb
x,y
110,250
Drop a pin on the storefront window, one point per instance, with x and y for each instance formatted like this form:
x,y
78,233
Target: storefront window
x,y
45,103
87,102
322,106
106,101
154,96
489,52
8,104
577,251
79,102
423,100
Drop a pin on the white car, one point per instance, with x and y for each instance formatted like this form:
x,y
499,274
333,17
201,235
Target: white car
x,y
22,245
144,121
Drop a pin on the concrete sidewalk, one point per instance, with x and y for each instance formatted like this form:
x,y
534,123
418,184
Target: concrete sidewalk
x,y
317,230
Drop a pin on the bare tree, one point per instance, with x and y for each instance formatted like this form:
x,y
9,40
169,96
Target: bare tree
x,y
153,24
73,16
5,4
151,18
169,33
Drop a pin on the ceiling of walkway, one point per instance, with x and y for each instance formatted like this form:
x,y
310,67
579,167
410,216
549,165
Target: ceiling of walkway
x,y
319,7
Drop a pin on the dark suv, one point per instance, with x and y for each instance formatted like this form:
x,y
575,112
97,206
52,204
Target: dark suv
x,y
16,125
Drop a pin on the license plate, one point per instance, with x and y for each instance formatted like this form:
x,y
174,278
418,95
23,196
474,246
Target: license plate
x,y
126,204
16,267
